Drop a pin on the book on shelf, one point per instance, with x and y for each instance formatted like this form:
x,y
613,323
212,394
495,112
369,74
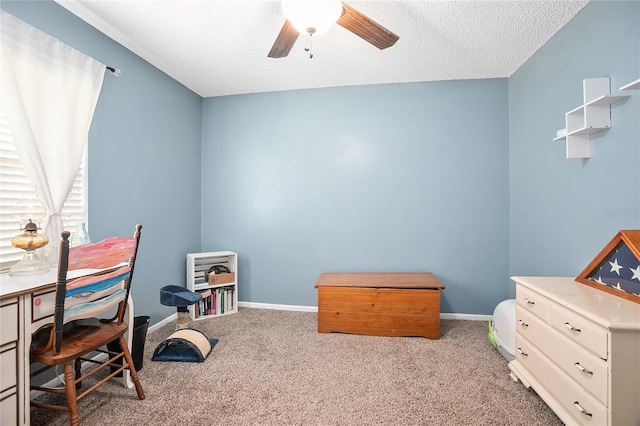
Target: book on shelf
x,y
215,301
205,293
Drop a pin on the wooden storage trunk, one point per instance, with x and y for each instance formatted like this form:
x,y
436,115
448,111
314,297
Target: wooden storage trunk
x,y
380,304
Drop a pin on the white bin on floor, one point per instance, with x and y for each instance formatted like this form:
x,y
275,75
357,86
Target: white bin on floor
x,y
502,329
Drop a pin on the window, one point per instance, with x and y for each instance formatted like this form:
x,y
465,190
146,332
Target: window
x,y
15,185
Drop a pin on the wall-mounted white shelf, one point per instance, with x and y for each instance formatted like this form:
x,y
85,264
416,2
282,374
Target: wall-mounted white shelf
x,y
592,116
634,85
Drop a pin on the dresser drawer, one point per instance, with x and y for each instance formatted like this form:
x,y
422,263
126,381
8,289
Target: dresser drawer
x,y
8,368
9,321
579,329
533,302
529,326
9,409
579,405
43,305
586,369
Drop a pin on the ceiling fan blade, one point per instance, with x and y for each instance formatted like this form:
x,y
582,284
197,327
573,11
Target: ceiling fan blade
x,y
366,28
285,41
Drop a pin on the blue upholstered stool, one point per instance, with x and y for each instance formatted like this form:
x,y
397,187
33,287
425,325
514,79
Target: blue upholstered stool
x,y
186,344
181,298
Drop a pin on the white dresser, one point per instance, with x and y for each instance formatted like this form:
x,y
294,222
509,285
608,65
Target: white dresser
x,y
579,349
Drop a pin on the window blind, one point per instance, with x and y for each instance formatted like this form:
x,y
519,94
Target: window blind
x,y
15,186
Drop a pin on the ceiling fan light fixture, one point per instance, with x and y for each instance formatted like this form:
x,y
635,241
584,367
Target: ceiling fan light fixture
x,y
312,16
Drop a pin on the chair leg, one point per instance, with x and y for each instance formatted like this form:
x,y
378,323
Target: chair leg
x,y
70,387
132,369
78,367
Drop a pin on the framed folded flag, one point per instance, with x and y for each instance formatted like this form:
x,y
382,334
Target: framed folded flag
x,y
616,269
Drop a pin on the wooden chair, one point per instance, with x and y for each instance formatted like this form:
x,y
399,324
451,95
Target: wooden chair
x,y
77,331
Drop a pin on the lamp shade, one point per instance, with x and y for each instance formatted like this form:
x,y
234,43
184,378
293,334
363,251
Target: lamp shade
x,y
312,16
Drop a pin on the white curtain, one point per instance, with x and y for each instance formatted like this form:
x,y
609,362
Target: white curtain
x,y
50,91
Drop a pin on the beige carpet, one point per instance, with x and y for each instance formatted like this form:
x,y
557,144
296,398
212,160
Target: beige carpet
x,y
273,368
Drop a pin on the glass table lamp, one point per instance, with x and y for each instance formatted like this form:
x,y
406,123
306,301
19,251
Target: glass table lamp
x,y
29,241
29,207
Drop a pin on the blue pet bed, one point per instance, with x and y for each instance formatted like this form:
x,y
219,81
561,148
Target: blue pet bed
x,y
186,345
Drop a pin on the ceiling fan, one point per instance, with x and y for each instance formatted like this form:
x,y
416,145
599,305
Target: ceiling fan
x,y
300,18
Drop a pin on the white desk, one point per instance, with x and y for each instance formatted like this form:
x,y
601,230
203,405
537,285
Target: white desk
x,y
26,304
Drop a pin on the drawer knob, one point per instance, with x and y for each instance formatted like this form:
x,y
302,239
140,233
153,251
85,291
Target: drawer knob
x,y
582,369
572,328
522,323
521,352
581,409
529,302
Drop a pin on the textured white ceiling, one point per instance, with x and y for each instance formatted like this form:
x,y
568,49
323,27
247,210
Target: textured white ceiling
x,y
218,48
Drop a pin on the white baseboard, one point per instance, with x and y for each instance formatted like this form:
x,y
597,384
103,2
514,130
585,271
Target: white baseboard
x,y
472,317
278,307
302,308
167,320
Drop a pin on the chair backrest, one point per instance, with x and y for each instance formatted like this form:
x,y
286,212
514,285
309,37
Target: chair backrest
x,y
105,270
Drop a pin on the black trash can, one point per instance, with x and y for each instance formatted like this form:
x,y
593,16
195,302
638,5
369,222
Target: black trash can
x,y
140,326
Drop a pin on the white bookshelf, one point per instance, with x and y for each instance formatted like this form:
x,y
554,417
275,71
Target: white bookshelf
x,y
218,299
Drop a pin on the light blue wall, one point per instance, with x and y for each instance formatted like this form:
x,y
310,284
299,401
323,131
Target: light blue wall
x,y
404,177
563,212
144,155
424,176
